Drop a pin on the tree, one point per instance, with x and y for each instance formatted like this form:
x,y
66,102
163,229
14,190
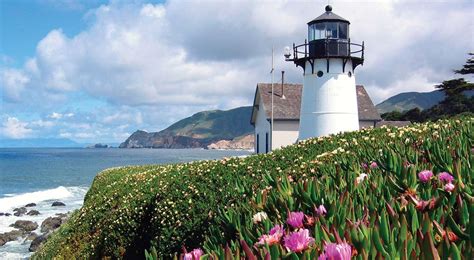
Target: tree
x,y
467,68
454,87
458,86
455,102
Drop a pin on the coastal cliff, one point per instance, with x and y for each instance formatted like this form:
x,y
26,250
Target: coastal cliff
x,y
241,142
197,131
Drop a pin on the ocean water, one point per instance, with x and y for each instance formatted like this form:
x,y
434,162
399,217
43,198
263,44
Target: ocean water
x,y
45,175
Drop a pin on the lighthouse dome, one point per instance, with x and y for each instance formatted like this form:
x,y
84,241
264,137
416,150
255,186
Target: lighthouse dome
x,y
328,16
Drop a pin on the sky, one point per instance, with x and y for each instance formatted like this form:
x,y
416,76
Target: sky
x,y
96,71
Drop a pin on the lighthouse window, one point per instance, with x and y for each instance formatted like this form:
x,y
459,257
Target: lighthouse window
x,y
311,32
319,31
343,31
331,30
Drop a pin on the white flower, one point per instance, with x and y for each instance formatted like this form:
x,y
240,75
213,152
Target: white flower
x,y
361,177
259,217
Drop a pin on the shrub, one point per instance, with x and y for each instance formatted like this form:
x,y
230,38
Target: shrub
x,y
130,209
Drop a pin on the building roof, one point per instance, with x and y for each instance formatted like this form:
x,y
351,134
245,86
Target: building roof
x,y
367,110
392,123
288,105
328,16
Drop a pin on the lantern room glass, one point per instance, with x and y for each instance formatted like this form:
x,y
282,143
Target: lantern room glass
x,y
328,30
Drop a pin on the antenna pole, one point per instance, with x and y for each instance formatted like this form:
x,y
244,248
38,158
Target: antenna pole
x,y
271,119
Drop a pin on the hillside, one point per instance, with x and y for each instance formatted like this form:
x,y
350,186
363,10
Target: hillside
x,y
408,100
392,193
196,131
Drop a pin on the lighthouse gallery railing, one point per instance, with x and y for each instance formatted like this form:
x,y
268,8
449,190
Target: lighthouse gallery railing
x,y
328,48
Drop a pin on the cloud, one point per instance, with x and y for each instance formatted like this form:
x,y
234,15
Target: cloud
x,y
15,129
13,82
56,115
153,64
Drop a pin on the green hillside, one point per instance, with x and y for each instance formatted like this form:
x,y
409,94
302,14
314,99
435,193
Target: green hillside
x,y
378,201
196,131
409,100
214,124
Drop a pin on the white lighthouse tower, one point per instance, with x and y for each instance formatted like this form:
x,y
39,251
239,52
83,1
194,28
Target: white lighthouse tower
x,y
328,59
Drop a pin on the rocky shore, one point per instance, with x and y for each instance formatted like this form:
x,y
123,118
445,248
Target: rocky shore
x,y
240,143
29,231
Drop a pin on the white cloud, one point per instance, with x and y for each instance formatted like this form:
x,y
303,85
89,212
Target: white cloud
x,y
12,83
56,115
15,129
155,64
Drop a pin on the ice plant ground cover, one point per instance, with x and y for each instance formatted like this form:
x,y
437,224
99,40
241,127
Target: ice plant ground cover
x,y
210,205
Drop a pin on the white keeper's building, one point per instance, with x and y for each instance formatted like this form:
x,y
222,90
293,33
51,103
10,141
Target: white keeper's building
x,y
286,109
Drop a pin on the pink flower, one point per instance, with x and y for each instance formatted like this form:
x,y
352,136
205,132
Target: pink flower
x,y
295,219
335,251
445,176
364,165
449,187
273,237
320,211
298,241
425,175
373,165
194,255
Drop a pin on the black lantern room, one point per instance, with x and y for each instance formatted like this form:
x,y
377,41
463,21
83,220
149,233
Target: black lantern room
x,y
328,37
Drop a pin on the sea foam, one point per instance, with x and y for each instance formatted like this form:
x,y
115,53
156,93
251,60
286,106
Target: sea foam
x,y
13,201
73,197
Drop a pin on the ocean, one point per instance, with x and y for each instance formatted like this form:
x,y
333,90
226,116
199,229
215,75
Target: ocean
x,y
45,175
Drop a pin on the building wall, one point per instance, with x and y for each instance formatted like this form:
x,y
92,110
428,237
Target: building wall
x,y
329,102
262,127
284,133
366,124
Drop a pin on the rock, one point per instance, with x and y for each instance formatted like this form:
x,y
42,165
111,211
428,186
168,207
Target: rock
x,y
1,213
20,211
57,204
98,146
10,236
30,205
37,242
33,213
62,215
238,143
32,236
51,224
25,225
7,214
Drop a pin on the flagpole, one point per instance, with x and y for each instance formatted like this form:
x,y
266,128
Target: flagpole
x,y
271,123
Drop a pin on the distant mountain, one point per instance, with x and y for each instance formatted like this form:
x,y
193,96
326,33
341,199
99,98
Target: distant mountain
x,y
38,142
410,100
196,131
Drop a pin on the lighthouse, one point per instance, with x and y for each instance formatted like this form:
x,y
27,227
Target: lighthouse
x,y
328,58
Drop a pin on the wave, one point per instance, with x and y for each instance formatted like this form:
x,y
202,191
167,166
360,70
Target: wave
x,y
73,197
7,204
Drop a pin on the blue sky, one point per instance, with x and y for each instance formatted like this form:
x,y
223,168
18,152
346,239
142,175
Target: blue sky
x,y
95,71
26,22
